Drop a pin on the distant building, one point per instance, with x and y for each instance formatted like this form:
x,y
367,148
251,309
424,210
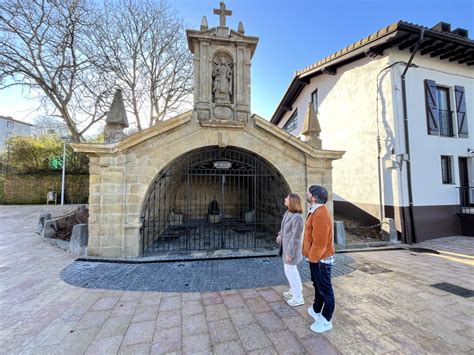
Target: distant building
x,y
10,127
49,126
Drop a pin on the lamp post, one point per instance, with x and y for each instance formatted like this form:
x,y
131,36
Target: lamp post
x,y
64,139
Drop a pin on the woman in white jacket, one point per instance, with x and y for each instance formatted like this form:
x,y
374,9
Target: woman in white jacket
x,y
290,239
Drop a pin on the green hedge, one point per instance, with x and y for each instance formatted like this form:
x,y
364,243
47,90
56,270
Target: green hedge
x,y
42,155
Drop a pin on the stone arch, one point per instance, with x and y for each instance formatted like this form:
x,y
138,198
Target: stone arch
x,y
222,51
177,215
173,146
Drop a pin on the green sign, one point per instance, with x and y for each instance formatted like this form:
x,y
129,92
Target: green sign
x,y
55,162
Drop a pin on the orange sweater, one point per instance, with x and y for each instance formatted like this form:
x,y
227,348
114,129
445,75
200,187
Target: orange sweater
x,y
318,240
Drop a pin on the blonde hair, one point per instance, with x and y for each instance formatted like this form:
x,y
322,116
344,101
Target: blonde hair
x,y
295,203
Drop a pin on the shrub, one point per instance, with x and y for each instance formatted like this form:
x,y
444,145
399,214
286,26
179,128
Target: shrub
x,y
42,155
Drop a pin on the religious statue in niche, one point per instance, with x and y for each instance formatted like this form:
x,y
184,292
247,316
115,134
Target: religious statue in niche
x,y
222,78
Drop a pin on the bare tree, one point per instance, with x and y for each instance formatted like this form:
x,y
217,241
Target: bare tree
x,y
45,125
142,47
44,46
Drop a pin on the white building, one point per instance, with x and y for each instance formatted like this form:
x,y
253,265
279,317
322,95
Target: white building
x,y
408,131
10,127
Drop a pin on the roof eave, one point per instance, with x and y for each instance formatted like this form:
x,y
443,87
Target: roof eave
x,y
304,79
374,44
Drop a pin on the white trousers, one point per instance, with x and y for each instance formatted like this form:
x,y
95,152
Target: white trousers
x,y
293,276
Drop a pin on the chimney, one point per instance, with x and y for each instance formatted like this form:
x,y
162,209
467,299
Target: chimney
x,y
442,27
462,32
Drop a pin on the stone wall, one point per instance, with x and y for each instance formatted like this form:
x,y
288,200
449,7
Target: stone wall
x,y
32,189
204,191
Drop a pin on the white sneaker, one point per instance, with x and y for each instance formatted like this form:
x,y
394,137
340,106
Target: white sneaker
x,y
321,325
288,294
313,314
295,302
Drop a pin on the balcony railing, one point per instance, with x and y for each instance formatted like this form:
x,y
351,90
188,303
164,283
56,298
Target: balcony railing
x,y
446,127
466,200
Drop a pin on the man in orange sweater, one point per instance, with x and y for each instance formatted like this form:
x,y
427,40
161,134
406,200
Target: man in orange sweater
x,y
318,247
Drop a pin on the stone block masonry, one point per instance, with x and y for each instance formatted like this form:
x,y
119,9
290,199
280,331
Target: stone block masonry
x,y
32,189
123,174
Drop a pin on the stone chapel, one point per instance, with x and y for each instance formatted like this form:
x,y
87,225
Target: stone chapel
x,y
211,181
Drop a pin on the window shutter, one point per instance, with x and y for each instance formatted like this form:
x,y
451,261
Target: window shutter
x,y
461,111
431,107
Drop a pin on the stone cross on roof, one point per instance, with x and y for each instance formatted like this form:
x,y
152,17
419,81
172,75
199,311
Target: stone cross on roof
x,y
222,12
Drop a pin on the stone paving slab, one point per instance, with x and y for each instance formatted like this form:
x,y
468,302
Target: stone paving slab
x,y
394,312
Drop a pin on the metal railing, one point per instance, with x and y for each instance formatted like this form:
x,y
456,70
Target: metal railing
x,y
212,199
466,199
446,127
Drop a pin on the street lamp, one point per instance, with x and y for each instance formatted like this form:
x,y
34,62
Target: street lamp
x,y
64,139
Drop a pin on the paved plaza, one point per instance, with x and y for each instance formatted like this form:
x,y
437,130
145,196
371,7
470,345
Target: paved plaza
x,y
385,304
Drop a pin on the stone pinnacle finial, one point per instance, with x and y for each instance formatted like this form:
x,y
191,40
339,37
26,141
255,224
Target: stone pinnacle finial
x,y
241,28
116,119
311,128
117,112
204,25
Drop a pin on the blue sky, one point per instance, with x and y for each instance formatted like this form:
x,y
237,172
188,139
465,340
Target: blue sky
x,y
294,34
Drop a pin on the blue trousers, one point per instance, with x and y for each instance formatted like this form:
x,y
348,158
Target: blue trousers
x,y
323,293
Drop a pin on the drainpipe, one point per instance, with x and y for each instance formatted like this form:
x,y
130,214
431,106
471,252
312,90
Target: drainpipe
x,y
407,143
379,144
305,157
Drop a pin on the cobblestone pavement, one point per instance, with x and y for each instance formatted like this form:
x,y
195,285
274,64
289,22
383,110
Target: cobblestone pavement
x,y
190,276
386,305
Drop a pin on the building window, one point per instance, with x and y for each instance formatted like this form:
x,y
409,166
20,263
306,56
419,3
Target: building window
x,y
10,124
292,123
445,115
446,169
439,114
314,99
8,134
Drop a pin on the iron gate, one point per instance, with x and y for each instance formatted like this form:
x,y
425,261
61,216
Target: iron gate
x,y
214,198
